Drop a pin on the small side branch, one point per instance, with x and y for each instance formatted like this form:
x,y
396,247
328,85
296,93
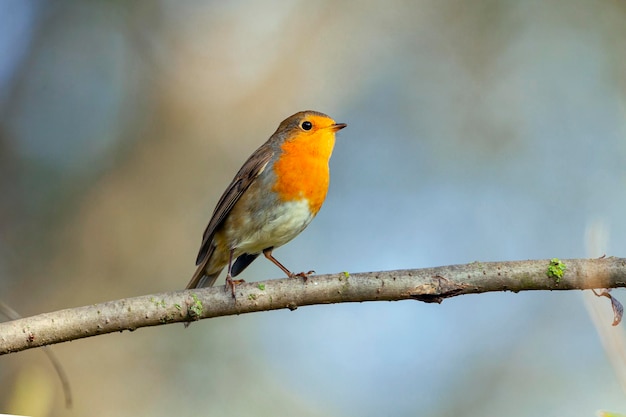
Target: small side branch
x,y
429,285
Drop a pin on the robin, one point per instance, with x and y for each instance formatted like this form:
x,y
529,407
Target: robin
x,y
273,197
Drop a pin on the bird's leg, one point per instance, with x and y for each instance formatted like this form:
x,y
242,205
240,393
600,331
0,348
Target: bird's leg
x,y
230,282
268,254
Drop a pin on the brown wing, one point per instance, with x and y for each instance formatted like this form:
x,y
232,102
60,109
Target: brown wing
x,y
250,170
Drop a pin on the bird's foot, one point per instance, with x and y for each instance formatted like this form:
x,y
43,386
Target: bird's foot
x,y
232,283
304,275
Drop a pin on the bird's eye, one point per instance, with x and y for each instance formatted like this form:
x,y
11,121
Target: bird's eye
x,y
306,125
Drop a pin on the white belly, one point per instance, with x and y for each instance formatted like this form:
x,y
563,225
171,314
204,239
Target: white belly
x,y
287,221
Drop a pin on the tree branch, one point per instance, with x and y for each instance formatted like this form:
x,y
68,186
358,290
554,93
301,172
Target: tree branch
x,y
429,285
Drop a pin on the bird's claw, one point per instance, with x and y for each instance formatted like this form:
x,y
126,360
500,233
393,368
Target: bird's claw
x,y
232,283
304,275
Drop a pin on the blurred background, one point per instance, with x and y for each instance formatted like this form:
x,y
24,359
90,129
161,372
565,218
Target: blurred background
x,y
487,130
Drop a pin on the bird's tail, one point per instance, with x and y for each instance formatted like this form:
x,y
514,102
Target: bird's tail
x,y
201,279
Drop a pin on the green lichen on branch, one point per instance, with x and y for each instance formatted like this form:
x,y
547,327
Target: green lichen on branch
x,y
556,269
196,308
158,303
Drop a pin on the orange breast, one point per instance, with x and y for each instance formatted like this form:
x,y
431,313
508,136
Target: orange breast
x,y
302,169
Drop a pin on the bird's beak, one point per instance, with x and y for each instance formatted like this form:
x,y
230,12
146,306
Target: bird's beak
x,y
337,126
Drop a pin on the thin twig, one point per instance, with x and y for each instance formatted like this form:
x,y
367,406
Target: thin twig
x,y
11,314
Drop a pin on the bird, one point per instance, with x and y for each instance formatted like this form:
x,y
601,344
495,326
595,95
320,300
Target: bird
x,y
274,196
